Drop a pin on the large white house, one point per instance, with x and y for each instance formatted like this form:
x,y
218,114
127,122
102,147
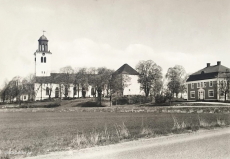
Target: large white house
x,y
52,84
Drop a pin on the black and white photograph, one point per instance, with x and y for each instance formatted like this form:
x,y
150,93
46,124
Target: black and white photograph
x,y
115,79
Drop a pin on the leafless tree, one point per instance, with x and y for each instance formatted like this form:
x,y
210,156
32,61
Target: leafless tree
x,y
5,91
67,79
224,84
118,83
100,81
176,77
28,86
149,74
81,81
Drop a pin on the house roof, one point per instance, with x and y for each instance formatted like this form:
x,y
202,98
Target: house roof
x,y
126,69
211,69
209,72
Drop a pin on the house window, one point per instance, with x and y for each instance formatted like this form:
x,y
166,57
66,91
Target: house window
x,y
210,93
192,86
201,84
24,97
204,84
198,85
192,94
41,59
210,84
47,91
44,59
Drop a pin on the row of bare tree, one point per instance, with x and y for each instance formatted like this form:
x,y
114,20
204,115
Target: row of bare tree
x,y
102,79
153,83
16,87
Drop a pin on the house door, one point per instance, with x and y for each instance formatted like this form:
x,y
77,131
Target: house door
x,y
201,94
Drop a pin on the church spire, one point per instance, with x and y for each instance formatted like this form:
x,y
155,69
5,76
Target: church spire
x,y
43,43
42,57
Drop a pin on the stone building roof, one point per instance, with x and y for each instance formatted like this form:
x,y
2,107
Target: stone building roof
x,y
126,69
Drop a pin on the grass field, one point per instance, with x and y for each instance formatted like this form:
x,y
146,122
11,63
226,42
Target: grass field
x,y
43,132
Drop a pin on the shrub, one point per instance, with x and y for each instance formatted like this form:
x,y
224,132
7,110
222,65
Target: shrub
x,y
120,101
67,98
131,100
46,105
51,105
160,98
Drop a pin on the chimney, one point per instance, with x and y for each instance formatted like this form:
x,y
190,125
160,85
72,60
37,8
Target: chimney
x,y
218,62
208,64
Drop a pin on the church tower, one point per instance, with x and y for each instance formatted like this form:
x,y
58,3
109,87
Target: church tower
x,y
42,58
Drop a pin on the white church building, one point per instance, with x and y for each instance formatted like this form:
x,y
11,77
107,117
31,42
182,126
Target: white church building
x,y
51,84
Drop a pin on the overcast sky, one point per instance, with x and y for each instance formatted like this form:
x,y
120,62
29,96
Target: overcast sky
x,y
110,33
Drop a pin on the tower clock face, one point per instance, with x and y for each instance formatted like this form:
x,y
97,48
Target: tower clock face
x,y
43,54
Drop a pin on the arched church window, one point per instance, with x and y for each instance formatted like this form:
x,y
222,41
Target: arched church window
x,y
41,59
92,92
47,91
74,91
44,59
56,92
66,91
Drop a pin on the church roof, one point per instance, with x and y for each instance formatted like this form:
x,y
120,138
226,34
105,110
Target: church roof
x,y
56,78
209,72
43,38
126,69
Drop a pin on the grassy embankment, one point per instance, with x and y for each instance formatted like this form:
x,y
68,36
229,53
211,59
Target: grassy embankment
x,y
77,124
42,132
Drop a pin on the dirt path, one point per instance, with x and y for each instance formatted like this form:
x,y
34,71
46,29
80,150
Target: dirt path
x,y
210,144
